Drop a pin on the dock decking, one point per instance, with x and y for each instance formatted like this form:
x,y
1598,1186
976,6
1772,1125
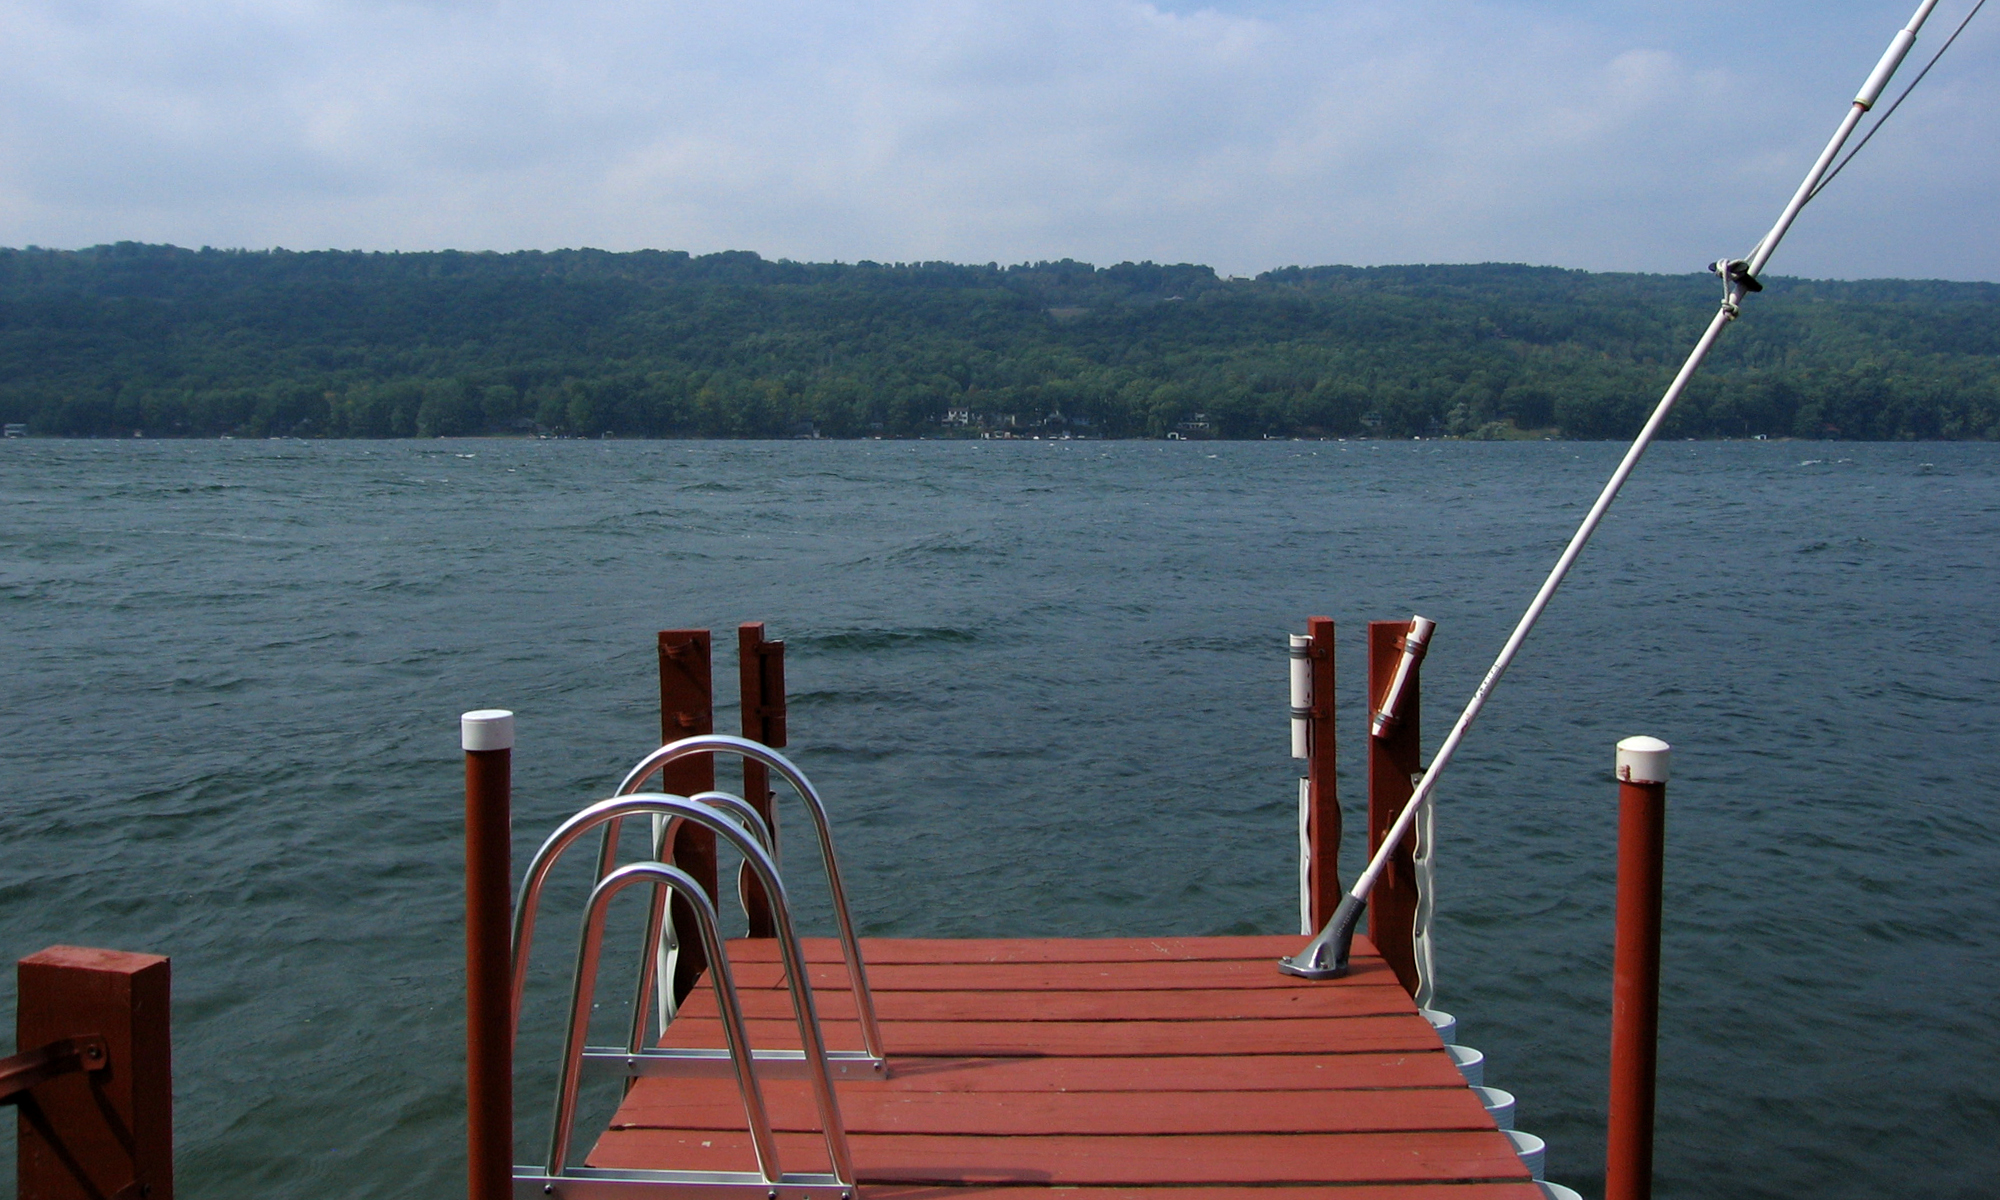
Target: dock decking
x,y
1118,1065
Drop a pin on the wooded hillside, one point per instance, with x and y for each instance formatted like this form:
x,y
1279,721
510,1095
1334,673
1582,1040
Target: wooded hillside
x,y
173,342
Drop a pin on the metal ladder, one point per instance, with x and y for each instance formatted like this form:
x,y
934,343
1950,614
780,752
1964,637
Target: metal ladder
x,y
739,824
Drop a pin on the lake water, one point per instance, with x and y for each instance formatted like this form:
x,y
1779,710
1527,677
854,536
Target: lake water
x,y
1042,685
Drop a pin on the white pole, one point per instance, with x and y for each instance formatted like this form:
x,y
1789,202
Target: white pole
x,y
1871,91
1325,957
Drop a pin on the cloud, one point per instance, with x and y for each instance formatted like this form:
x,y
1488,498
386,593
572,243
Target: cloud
x,y
1610,136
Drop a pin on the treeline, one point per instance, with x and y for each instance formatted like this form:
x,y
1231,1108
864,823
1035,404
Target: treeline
x,y
171,342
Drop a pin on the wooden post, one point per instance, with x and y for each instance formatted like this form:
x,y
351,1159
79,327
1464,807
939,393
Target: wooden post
x,y
487,736
1635,973
761,678
1394,762
1322,792
89,1134
687,708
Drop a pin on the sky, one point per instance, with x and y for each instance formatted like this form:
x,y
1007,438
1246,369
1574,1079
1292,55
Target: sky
x,y
1623,135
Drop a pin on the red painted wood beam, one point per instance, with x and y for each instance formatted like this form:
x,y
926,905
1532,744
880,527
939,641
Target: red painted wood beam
x,y
1322,791
687,708
1394,762
1635,978
87,1134
487,736
761,676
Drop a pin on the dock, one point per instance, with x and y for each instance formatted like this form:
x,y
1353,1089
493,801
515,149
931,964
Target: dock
x,y
1119,1065
960,1068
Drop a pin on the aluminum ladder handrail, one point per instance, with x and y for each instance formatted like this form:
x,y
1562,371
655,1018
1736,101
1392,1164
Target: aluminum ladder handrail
x,y
655,967
583,992
850,945
638,1060
555,1178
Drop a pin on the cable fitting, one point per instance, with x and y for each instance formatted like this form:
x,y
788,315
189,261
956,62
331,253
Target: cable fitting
x,y
1735,275
1736,281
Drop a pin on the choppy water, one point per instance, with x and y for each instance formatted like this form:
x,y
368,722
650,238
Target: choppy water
x,y
1043,686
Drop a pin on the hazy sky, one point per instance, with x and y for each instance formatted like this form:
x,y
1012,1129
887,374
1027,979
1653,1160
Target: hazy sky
x,y
1611,134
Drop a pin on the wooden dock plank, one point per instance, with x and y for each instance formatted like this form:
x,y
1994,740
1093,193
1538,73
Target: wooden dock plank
x,y
1181,1073
1197,974
1394,1191
716,1104
1088,1039
1097,1069
1269,1193
932,951
1246,1159
1214,1004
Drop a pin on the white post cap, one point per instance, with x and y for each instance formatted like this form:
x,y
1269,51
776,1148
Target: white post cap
x,y
1643,760
486,729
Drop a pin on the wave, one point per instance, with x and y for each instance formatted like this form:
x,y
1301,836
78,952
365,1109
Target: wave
x,y
831,697
942,545
886,639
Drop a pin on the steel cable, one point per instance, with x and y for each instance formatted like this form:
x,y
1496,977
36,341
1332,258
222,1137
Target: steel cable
x,y
1898,102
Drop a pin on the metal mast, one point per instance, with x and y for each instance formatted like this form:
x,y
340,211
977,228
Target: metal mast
x,y
1325,957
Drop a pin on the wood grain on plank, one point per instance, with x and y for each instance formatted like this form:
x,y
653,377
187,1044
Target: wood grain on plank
x,y
1238,1073
1389,1191
1213,1004
1123,1039
1197,975
1041,950
716,1104
1250,1159
1241,1073
1095,1070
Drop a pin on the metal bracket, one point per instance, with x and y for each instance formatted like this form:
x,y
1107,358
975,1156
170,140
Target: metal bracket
x,y
21,1072
1735,275
1737,282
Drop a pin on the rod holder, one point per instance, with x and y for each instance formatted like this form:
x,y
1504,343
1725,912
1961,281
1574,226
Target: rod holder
x,y
1313,690
1415,642
1302,695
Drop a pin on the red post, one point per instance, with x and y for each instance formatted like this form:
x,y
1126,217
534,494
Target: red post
x,y
1394,762
761,679
91,1133
687,708
1322,792
1635,978
487,737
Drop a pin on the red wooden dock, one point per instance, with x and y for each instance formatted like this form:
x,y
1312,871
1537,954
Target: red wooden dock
x,y
1116,1065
